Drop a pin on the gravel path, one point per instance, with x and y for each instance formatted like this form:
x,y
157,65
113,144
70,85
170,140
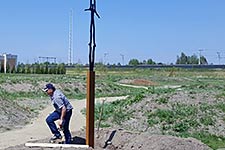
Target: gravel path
x,y
39,130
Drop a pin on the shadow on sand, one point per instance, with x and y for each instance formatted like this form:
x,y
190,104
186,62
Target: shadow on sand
x,y
78,140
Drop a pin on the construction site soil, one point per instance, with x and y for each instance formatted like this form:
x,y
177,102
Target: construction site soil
x,y
13,116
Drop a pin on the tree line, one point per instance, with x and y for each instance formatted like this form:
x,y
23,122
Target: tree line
x,y
37,68
182,59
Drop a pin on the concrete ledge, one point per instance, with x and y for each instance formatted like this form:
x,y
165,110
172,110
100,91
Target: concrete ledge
x,y
55,145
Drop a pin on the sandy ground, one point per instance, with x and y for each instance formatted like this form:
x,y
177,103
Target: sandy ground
x,y
39,130
134,86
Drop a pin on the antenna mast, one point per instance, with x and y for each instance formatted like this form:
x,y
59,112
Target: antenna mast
x,y
70,52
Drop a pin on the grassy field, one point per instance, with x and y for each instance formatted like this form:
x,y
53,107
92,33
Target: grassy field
x,y
179,102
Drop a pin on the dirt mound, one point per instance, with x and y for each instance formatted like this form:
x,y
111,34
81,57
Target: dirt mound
x,y
12,115
122,139
112,139
17,87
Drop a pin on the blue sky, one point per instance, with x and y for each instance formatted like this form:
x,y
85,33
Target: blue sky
x,y
141,29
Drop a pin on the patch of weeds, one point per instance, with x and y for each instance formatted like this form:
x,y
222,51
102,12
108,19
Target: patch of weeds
x,y
119,115
204,107
33,110
193,123
104,125
129,101
192,92
163,115
207,120
116,111
213,141
151,89
223,119
66,90
108,111
220,106
221,95
76,90
76,95
179,118
184,110
137,98
165,128
152,121
162,100
181,127
17,95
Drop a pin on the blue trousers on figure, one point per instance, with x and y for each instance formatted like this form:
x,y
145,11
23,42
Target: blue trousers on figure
x,y
55,116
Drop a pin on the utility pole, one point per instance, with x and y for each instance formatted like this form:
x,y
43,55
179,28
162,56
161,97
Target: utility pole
x,y
219,57
90,104
104,61
200,56
122,58
70,52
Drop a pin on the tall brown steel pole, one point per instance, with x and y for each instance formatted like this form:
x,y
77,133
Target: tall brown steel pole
x,y
90,106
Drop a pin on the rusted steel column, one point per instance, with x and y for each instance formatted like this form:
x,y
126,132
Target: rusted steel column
x,y
90,108
91,78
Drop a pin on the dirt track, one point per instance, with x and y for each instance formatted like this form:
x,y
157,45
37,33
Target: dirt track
x,y
39,130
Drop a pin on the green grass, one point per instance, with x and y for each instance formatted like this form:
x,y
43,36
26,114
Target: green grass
x,y
180,118
213,141
116,111
162,100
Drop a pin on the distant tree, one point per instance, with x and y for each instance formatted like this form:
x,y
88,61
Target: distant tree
x,y
61,68
193,59
13,70
23,69
52,69
28,68
203,60
46,69
42,68
150,62
99,65
113,65
134,62
183,59
18,70
37,68
33,68
144,62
